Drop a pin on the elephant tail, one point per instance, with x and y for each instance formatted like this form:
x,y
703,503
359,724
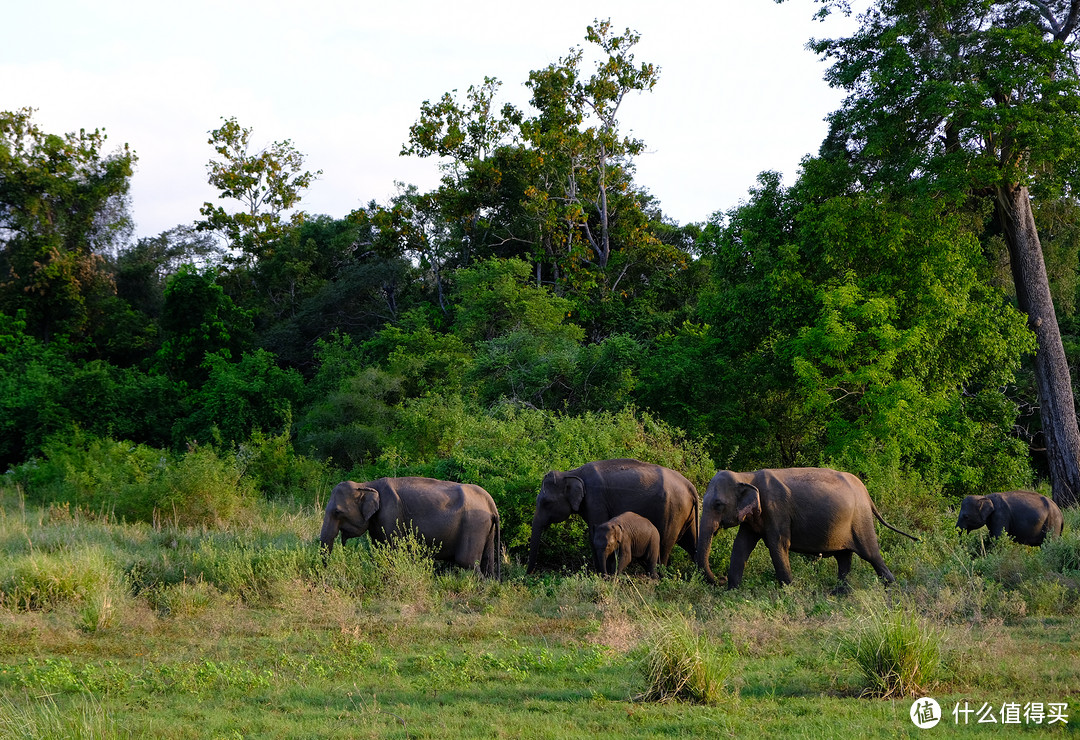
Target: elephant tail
x,y
493,550
498,548
877,515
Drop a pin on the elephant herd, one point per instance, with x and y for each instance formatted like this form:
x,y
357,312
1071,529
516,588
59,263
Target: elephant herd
x,y
640,511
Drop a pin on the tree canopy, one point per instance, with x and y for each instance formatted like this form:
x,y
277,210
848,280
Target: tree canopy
x,y
884,313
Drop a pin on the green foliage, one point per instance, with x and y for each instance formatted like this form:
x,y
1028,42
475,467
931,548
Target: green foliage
x,y
241,398
112,478
402,570
855,328
198,320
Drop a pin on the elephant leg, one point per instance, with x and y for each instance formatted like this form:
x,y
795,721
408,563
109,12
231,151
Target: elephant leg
x,y
875,559
781,561
688,541
843,567
745,541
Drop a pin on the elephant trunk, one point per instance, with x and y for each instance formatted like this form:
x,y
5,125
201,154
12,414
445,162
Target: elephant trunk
x,y
538,527
708,528
327,536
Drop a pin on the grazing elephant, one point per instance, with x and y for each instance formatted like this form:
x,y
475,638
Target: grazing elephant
x,y
598,491
624,538
815,511
1026,516
460,519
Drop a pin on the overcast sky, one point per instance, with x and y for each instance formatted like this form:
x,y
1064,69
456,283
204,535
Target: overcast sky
x,y
738,92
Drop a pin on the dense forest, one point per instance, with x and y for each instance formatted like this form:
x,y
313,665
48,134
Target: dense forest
x,y
906,310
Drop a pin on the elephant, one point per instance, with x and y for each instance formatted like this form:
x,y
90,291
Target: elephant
x,y
815,511
600,490
460,519
1025,516
626,537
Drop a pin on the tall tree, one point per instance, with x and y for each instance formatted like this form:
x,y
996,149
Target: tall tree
x,y
974,97
577,129
62,204
267,183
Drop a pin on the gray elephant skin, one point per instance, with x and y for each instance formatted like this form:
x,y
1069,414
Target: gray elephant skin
x,y
815,511
601,490
1027,517
460,519
626,538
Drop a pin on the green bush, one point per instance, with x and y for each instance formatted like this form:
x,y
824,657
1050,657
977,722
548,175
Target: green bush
x,y
95,474
105,476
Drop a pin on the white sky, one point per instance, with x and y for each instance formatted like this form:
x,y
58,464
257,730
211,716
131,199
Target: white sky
x,y
738,92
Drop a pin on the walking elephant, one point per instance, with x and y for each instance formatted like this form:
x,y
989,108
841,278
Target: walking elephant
x,y
815,511
625,538
1025,516
598,491
460,519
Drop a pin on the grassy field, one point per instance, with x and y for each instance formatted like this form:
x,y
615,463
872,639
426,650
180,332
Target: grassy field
x,y
113,630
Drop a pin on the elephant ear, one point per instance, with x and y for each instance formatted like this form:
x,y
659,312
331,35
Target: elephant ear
x,y
575,491
749,502
369,502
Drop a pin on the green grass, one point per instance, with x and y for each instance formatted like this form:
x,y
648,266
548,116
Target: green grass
x,y
129,631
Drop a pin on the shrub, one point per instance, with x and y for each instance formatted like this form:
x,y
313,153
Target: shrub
x,y
402,570
682,664
201,488
94,474
896,651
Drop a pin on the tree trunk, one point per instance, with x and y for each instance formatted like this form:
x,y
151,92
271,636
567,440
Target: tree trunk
x,y
1056,406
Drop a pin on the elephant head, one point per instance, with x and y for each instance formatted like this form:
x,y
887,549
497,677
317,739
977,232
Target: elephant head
x,y
975,511
728,503
349,511
560,496
610,539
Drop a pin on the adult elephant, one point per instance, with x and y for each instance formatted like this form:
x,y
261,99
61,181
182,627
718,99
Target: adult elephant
x,y
815,511
459,519
600,490
1026,516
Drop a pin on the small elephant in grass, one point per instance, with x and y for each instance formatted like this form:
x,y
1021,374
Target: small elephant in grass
x,y
624,538
1025,516
814,511
460,519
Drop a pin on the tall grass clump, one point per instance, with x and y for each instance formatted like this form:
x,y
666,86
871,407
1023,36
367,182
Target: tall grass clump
x,y
44,720
84,578
682,664
897,653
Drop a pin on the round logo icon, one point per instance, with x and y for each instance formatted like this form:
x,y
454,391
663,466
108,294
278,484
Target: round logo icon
x,y
925,713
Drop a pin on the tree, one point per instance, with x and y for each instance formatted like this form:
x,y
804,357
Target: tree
x,y
979,98
592,161
62,204
267,183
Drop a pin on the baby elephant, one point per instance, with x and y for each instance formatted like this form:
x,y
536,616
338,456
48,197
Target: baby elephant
x,y
1027,517
626,537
